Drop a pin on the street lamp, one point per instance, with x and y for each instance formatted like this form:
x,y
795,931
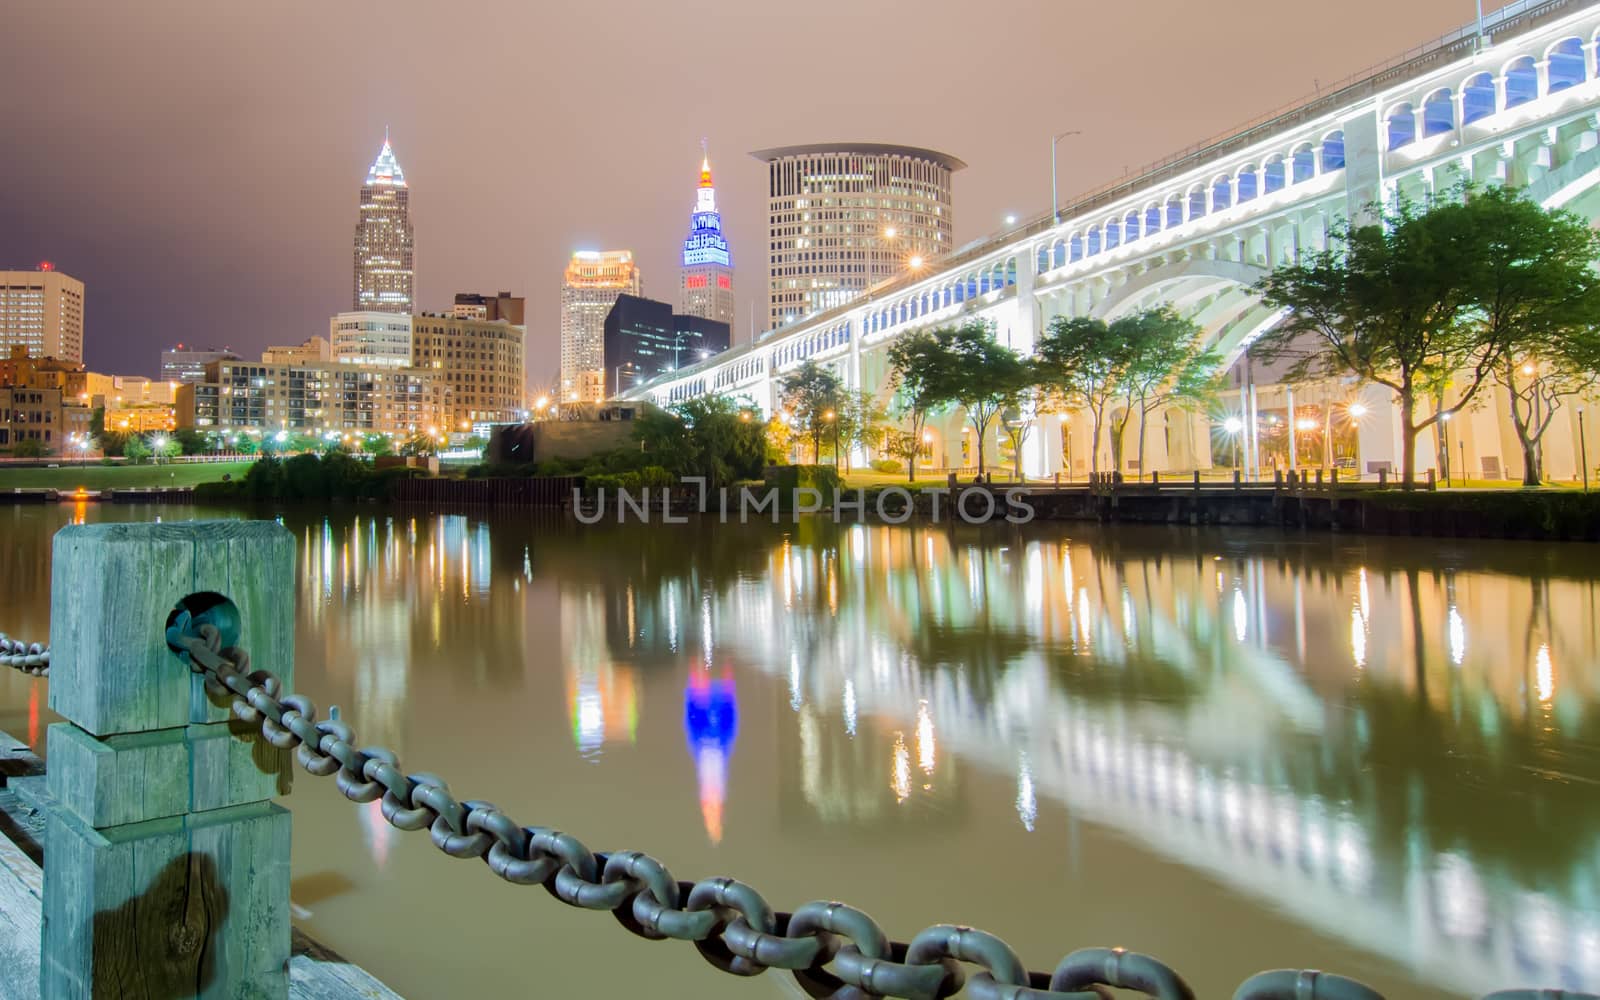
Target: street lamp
x,y
1583,451
616,372
1233,425
832,418
1444,431
1055,205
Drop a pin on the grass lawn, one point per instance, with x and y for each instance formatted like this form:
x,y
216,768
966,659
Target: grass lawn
x,y
111,477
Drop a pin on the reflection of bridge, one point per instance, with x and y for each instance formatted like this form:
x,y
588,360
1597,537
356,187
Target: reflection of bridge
x,y
1198,230
1240,802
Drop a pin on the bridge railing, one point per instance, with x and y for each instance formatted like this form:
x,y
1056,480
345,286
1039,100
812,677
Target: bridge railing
x,y
167,863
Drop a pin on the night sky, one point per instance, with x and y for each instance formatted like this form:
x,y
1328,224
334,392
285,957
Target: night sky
x,y
197,163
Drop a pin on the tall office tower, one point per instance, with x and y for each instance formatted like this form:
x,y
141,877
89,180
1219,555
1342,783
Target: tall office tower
x,y
183,363
472,305
42,310
383,251
593,280
707,287
842,217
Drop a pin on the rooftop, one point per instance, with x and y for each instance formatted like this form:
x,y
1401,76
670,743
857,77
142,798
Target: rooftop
x,y
863,148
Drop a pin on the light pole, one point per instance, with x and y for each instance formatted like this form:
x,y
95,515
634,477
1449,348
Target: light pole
x,y
1055,205
1583,451
1233,425
616,372
1444,420
833,418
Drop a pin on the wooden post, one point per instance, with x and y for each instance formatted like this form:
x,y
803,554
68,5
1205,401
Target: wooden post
x,y
167,865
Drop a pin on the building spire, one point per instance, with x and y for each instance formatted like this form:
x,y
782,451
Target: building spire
x,y
386,168
705,165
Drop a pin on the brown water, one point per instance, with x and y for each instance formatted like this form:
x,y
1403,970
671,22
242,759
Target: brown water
x,y
1235,751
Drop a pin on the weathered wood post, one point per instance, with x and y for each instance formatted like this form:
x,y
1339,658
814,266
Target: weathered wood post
x,y
166,864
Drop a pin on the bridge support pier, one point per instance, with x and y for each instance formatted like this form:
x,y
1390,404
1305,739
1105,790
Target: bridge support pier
x,y
166,863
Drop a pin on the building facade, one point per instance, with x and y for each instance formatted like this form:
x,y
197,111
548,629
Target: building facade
x,y
842,217
384,263
706,288
313,397
479,365
644,338
45,415
593,280
370,338
182,363
312,349
41,311
472,305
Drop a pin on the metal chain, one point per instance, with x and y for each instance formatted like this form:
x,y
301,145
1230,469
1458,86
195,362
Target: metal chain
x,y
28,657
833,950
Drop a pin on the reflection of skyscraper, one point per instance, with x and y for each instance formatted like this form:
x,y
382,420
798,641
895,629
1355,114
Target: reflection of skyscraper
x,y
711,720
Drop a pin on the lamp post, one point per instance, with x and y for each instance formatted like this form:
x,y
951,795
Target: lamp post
x,y
833,418
1444,421
1055,205
616,372
1583,451
1356,411
1233,425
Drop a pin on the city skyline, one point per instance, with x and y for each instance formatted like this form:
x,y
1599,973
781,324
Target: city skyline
x,y
164,243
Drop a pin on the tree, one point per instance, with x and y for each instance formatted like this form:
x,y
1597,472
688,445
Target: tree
x,y
376,445
191,441
991,376
810,392
29,448
780,438
167,446
861,418
1165,365
921,372
97,422
1531,286
1017,421
1082,360
1388,302
136,449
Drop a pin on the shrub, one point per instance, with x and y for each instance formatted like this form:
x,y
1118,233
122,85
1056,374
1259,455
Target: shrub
x,y
888,465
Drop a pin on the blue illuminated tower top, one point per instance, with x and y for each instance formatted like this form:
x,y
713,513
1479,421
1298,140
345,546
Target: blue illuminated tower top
x,y
707,288
705,243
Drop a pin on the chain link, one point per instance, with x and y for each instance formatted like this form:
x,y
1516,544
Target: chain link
x,y
31,658
831,949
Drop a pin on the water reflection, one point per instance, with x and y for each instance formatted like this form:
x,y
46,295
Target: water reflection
x,y
1389,746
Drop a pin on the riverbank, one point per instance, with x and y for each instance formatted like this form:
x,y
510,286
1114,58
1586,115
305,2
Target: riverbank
x,y
93,476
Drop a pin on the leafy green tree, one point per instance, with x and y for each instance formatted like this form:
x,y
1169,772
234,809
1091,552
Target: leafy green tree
x,y
810,392
97,422
29,448
1531,286
1392,303
166,446
1165,365
136,449
191,441
921,372
1082,361
861,418
246,444
376,445
991,377
419,444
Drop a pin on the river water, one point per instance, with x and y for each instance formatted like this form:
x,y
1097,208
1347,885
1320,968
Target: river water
x,y
1232,750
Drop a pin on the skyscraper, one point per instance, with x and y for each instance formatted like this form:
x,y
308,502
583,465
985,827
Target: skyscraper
x,y
707,287
42,310
593,280
843,216
383,251
645,338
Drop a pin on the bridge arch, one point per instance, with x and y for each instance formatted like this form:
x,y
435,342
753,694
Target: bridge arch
x,y
1179,282
1567,65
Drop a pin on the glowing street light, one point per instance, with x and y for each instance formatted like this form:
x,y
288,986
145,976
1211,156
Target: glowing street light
x,y
1356,411
1233,425
915,263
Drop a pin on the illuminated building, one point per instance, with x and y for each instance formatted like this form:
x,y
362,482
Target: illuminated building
x,y
707,286
383,243
37,401
42,311
312,397
842,217
312,349
472,305
370,338
478,363
645,338
593,280
182,363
